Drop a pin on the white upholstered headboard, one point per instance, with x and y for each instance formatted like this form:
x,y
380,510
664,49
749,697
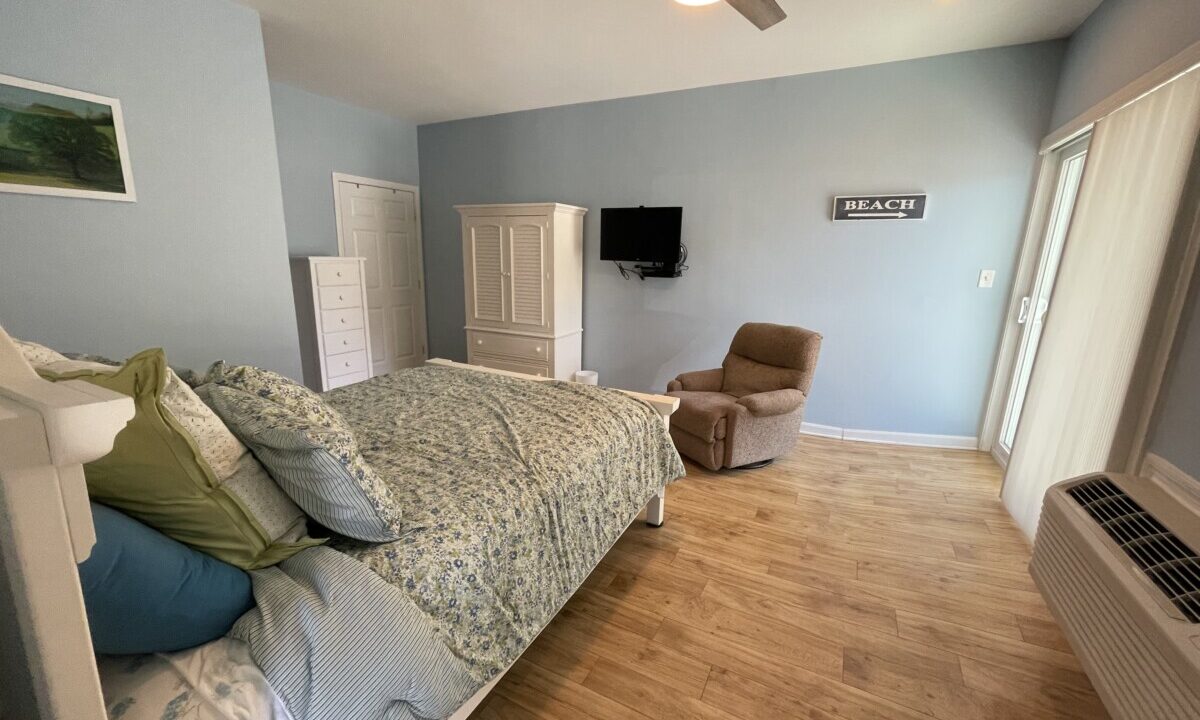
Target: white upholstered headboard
x,y
47,432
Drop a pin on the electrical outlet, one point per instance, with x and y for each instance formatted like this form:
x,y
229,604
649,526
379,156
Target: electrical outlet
x,y
987,278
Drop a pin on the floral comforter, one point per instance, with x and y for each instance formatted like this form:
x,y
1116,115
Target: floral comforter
x,y
512,491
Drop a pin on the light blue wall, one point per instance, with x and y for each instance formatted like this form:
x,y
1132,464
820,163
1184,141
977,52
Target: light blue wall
x,y
199,264
909,339
318,136
1176,436
1119,42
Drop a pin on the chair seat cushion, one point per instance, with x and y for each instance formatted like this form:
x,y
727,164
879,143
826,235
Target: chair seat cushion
x,y
702,413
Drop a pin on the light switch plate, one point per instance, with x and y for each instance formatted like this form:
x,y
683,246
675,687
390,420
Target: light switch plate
x,y
987,278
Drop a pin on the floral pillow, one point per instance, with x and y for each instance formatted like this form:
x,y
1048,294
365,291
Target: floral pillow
x,y
279,389
307,447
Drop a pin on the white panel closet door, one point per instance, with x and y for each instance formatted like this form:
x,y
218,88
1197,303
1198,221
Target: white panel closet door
x,y
1131,188
380,224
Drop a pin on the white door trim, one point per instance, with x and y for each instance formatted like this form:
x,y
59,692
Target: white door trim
x,y
1031,244
388,184
1031,252
1034,230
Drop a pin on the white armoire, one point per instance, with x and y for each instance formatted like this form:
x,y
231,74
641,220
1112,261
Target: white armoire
x,y
523,268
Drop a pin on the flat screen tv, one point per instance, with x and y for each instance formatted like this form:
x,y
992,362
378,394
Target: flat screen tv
x,y
641,234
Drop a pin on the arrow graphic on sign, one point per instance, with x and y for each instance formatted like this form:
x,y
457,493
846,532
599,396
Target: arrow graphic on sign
x,y
879,215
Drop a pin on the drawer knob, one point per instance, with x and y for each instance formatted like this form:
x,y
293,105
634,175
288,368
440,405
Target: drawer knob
x,y
347,363
343,321
478,342
345,342
341,297
339,273
539,348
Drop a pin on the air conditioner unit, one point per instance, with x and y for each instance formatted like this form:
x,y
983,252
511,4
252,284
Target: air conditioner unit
x,y
1115,558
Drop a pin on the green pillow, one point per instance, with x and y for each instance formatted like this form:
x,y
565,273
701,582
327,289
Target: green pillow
x,y
156,474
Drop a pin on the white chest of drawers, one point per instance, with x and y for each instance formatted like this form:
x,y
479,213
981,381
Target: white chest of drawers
x,y
331,301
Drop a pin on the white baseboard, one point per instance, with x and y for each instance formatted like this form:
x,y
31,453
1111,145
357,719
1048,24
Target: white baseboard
x,y
822,430
956,442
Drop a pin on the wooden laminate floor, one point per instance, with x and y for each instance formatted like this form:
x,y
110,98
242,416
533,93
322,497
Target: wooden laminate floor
x,y
847,580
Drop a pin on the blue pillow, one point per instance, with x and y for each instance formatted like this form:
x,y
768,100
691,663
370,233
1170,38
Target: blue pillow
x,y
146,593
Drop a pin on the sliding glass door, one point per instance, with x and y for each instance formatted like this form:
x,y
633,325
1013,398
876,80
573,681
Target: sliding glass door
x,y
1070,160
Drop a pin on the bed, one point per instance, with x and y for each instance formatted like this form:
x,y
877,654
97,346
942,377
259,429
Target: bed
x,y
513,487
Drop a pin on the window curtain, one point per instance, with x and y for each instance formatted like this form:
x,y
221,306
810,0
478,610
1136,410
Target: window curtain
x,y
1114,255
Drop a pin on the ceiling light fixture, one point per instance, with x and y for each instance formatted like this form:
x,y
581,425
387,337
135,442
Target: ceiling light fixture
x,y
696,3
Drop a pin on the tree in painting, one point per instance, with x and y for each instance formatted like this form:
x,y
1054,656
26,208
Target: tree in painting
x,y
63,136
65,141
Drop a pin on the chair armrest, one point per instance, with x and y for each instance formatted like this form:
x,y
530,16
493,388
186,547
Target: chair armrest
x,y
773,402
699,380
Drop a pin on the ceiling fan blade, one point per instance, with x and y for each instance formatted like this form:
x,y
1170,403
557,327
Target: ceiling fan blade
x,y
763,13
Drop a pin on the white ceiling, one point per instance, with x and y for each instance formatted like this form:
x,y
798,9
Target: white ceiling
x,y
432,60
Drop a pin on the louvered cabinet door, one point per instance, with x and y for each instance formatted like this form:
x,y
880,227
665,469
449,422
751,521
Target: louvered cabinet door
x,y
484,259
528,273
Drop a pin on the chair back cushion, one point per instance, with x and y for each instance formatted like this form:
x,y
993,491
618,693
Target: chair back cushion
x,y
765,356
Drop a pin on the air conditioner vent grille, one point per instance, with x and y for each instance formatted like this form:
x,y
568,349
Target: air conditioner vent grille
x,y
1164,558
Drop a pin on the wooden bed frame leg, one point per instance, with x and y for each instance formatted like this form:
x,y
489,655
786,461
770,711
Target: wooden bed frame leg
x,y
656,509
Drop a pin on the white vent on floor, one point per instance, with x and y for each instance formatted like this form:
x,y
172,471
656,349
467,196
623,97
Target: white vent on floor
x,y
1114,558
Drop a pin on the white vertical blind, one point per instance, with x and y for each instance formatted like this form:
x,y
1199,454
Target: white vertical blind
x,y
1123,218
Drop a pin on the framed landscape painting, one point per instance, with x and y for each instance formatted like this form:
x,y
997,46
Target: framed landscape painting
x,y
55,141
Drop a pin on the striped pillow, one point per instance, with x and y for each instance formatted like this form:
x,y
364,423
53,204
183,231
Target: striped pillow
x,y
310,452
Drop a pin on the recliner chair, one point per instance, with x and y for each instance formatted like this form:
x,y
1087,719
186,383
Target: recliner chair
x,y
747,412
